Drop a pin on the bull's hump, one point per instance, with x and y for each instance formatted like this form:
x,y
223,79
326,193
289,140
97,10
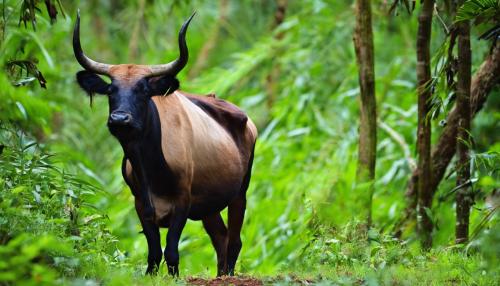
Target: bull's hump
x,y
202,122
226,114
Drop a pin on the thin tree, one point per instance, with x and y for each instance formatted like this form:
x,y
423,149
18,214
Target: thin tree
x,y
463,195
363,44
424,125
484,80
274,74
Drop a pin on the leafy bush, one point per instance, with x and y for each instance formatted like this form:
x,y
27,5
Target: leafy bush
x,y
348,256
47,227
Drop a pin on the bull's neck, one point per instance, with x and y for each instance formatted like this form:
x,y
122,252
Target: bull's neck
x,y
146,155
148,136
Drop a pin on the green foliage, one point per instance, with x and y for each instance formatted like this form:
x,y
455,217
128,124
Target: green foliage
x,y
488,245
47,226
29,260
482,12
348,256
20,51
479,10
407,4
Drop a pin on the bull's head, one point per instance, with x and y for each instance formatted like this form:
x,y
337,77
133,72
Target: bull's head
x,y
131,85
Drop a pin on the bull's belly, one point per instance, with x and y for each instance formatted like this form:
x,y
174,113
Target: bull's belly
x,y
205,200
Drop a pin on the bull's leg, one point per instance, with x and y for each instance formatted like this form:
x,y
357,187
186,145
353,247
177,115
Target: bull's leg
x,y
216,229
152,233
179,218
143,192
236,214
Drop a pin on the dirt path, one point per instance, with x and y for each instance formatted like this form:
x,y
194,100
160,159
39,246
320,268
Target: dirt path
x,y
225,280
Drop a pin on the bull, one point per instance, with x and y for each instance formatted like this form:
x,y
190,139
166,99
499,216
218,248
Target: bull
x,y
185,156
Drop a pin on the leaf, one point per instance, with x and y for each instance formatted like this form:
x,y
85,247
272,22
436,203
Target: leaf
x,y
29,66
29,8
90,218
51,10
429,214
18,189
406,3
27,13
299,131
38,199
44,51
22,109
491,34
473,9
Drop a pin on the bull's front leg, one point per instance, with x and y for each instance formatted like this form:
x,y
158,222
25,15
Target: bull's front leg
x,y
149,228
152,233
177,223
144,189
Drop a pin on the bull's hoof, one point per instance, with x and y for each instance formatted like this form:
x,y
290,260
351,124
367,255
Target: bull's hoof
x,y
173,270
152,270
222,271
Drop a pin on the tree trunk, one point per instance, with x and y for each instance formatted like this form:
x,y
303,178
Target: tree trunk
x,y
363,44
463,196
424,125
487,77
279,17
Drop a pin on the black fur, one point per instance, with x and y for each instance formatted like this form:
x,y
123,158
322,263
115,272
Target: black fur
x,y
162,85
92,83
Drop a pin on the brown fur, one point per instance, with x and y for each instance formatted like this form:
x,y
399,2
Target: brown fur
x,y
204,150
128,74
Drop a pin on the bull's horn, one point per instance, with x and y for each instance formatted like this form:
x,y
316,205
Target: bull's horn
x,y
174,67
84,61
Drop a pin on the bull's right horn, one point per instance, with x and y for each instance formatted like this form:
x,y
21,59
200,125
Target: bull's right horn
x,y
85,61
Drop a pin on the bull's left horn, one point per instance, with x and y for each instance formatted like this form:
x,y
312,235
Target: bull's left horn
x,y
85,61
174,67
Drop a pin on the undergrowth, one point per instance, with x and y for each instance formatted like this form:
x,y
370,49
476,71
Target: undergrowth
x,y
47,227
347,256
50,233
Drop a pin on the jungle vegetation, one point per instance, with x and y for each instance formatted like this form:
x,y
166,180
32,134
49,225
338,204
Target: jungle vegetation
x,y
377,161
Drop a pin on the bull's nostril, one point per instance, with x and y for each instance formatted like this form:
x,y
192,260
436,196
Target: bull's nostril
x,y
120,118
127,118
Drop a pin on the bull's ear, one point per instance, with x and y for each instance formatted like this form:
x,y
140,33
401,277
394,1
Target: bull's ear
x,y
162,85
92,83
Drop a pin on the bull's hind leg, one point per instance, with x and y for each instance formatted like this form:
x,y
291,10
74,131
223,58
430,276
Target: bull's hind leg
x,y
177,223
216,229
236,214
